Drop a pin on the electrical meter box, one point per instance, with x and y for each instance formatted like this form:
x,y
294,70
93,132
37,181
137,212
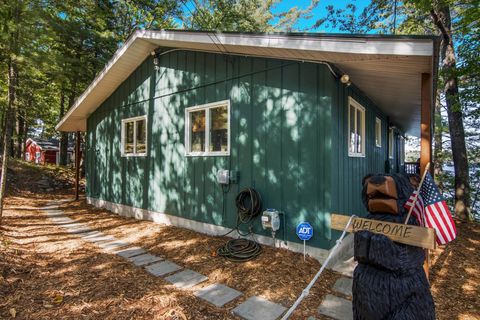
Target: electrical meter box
x,y
271,219
223,176
227,177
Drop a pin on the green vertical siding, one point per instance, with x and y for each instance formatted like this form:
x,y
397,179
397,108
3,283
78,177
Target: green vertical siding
x,y
347,178
288,141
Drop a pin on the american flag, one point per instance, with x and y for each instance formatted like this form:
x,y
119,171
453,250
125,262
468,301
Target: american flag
x,y
417,211
432,208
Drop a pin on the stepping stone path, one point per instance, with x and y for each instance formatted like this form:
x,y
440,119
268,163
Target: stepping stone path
x,y
257,308
130,252
216,294
336,307
162,268
144,259
113,245
186,279
344,286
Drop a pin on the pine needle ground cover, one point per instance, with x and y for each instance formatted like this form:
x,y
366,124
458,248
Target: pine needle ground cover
x,y
48,273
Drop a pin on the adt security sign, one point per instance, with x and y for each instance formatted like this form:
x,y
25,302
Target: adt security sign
x,y
304,231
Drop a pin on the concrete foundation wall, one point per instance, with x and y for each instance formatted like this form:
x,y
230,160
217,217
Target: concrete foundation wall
x,y
202,227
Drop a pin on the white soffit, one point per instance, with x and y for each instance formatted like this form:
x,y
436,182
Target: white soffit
x,y
387,69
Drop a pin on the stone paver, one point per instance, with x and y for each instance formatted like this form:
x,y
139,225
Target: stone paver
x,y
344,286
162,268
144,259
61,221
53,213
130,252
113,245
100,238
336,308
91,234
79,230
259,308
217,294
72,225
186,279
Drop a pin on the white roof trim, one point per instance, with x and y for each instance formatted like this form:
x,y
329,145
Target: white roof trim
x,y
341,50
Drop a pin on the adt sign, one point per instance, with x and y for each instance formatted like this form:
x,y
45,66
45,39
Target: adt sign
x,y
304,231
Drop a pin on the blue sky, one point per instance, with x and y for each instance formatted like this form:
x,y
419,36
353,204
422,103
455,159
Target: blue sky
x,y
319,11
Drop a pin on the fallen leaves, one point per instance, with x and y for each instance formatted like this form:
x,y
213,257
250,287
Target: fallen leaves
x,y
58,299
43,280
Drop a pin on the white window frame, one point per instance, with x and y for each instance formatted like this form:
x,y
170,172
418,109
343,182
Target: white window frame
x,y
134,153
353,103
378,134
207,108
390,143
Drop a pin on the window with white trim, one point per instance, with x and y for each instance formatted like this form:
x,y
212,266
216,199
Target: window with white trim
x,y
134,136
378,132
390,143
207,129
356,129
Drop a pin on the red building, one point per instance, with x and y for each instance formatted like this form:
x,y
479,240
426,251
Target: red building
x,y
44,151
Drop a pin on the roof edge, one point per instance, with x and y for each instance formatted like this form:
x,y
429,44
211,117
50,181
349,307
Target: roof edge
x,y
146,35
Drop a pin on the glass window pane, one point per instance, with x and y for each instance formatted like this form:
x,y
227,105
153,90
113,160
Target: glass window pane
x,y
128,137
359,131
141,136
197,131
219,129
352,129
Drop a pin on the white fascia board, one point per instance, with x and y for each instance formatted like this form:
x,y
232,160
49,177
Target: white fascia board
x,y
100,76
358,45
143,41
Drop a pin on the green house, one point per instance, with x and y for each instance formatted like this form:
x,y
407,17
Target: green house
x,y
301,118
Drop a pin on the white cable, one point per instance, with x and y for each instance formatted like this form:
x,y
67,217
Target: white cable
x,y
306,291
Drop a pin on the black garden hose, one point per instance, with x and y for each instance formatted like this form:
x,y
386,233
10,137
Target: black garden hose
x,y
240,250
249,206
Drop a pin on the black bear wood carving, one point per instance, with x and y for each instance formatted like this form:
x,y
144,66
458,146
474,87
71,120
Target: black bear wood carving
x,y
389,281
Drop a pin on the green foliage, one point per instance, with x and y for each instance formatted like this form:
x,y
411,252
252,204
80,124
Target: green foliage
x,y
63,45
241,15
228,15
414,17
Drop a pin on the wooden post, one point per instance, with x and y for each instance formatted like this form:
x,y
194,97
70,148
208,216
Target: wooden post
x,y
426,138
77,164
426,122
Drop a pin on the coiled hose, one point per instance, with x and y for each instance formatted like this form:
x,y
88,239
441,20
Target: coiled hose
x,y
249,206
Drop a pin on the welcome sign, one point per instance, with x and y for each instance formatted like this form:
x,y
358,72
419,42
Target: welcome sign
x,y
398,232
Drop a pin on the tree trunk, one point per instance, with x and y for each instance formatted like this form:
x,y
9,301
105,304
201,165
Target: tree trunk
x,y
20,133
12,86
63,135
11,129
437,144
12,73
441,18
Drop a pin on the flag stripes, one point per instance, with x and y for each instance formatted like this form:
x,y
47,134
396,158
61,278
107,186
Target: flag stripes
x,y
432,208
417,211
